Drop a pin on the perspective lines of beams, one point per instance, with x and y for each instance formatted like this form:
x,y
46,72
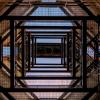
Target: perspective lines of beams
x,y
50,59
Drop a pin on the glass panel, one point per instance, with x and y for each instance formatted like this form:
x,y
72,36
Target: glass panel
x,y
48,23
6,51
48,60
48,0
90,52
48,11
48,82
48,41
48,94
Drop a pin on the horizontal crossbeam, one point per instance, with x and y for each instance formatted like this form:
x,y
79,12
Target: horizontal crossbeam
x,y
48,27
49,17
47,78
49,90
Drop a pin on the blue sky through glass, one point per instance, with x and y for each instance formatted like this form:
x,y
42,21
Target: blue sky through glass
x,y
48,40
48,60
90,51
48,11
48,23
48,0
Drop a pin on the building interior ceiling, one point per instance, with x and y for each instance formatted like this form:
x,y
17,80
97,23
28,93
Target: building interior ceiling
x,y
73,5
44,39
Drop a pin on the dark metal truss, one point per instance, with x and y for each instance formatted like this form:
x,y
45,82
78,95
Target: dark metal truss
x,y
84,20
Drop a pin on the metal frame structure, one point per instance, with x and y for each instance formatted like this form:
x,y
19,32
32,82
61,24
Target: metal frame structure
x,y
68,43
46,44
69,46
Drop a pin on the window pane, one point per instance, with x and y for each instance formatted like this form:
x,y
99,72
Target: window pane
x,y
48,60
90,52
48,23
48,11
48,40
48,0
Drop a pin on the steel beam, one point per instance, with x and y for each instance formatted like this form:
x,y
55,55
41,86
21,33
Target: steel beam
x,y
47,78
50,4
48,27
5,92
35,44
84,7
5,37
29,54
97,54
12,54
0,51
65,93
32,53
84,53
64,53
62,50
50,90
90,94
67,52
73,53
23,53
49,18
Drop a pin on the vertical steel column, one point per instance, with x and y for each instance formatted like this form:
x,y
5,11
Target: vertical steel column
x,y
67,51
84,53
29,66
12,54
35,49
23,53
64,51
0,51
32,51
97,54
73,53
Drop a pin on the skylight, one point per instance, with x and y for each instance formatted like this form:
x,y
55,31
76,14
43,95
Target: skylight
x,y
49,61
48,0
48,23
48,40
48,11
